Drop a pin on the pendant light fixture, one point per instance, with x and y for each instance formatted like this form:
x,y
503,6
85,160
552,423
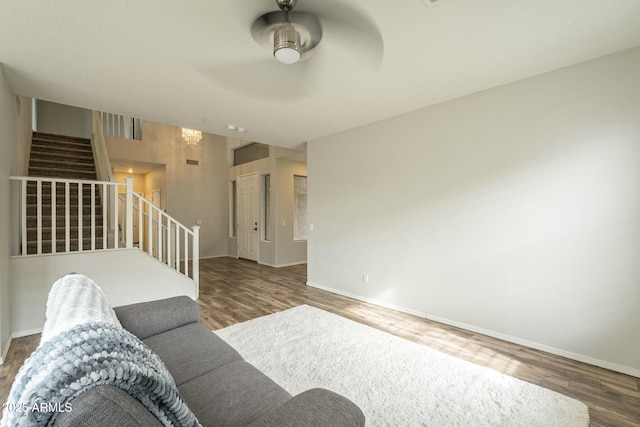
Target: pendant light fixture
x,y
191,136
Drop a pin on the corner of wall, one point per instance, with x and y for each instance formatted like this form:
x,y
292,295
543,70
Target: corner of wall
x,y
8,138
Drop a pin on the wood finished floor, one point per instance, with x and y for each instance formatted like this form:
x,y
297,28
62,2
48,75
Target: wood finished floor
x,y
233,291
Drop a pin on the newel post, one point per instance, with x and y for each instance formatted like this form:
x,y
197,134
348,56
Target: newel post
x,y
196,258
128,242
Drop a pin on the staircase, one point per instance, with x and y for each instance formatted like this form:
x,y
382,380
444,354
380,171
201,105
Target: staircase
x,y
66,157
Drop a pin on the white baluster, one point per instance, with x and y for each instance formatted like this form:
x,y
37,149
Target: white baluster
x,y
169,242
39,215
114,204
104,216
54,208
67,217
196,258
80,248
140,227
23,213
178,247
129,213
150,229
186,253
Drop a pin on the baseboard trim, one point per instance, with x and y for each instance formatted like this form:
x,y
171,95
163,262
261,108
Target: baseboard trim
x,y
509,338
542,347
370,300
6,349
26,333
282,265
214,256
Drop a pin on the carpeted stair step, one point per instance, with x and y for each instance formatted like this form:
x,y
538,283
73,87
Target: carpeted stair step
x,y
32,199
62,173
79,146
32,246
60,156
61,209
32,220
57,157
41,138
32,233
66,157
54,164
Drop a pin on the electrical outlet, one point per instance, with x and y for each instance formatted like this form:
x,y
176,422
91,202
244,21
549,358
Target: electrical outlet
x,y
365,278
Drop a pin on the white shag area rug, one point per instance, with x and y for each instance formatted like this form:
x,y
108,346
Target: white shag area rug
x,y
394,381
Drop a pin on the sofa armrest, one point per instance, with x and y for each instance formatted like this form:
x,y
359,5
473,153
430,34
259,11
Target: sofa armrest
x,y
154,317
105,406
313,408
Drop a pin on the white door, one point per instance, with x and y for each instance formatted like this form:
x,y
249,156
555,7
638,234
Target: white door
x,y
248,214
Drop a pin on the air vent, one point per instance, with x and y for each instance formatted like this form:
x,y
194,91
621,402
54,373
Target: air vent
x,y
192,162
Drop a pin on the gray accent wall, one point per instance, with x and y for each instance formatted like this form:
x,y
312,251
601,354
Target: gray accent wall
x,y
62,119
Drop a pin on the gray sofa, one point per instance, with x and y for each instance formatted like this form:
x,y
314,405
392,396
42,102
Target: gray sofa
x,y
219,387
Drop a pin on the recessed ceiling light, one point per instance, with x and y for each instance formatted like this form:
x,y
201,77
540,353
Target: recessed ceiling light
x,y
235,128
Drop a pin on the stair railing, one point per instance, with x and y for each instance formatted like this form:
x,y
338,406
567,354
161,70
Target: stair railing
x,y
100,154
120,126
160,235
69,224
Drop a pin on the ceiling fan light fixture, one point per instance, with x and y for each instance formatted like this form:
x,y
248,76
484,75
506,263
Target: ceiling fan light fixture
x,y
286,44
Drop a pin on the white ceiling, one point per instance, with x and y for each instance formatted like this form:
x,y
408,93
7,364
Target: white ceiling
x,y
194,63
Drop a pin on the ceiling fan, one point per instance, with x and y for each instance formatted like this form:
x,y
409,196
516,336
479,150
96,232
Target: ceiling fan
x,y
294,35
317,38
289,41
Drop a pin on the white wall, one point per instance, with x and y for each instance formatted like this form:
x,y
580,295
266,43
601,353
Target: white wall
x,y
192,192
156,180
62,119
289,251
514,211
23,149
138,278
8,138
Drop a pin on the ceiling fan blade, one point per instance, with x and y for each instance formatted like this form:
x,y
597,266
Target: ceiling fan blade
x,y
349,29
265,79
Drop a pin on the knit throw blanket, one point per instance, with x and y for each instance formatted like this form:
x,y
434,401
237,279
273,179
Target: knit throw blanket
x,y
86,356
75,299
84,346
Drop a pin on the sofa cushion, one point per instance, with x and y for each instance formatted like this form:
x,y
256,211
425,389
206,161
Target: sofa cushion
x,y
317,407
190,351
154,317
106,406
235,394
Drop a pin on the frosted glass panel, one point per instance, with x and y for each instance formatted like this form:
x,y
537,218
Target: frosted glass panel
x,y
300,207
